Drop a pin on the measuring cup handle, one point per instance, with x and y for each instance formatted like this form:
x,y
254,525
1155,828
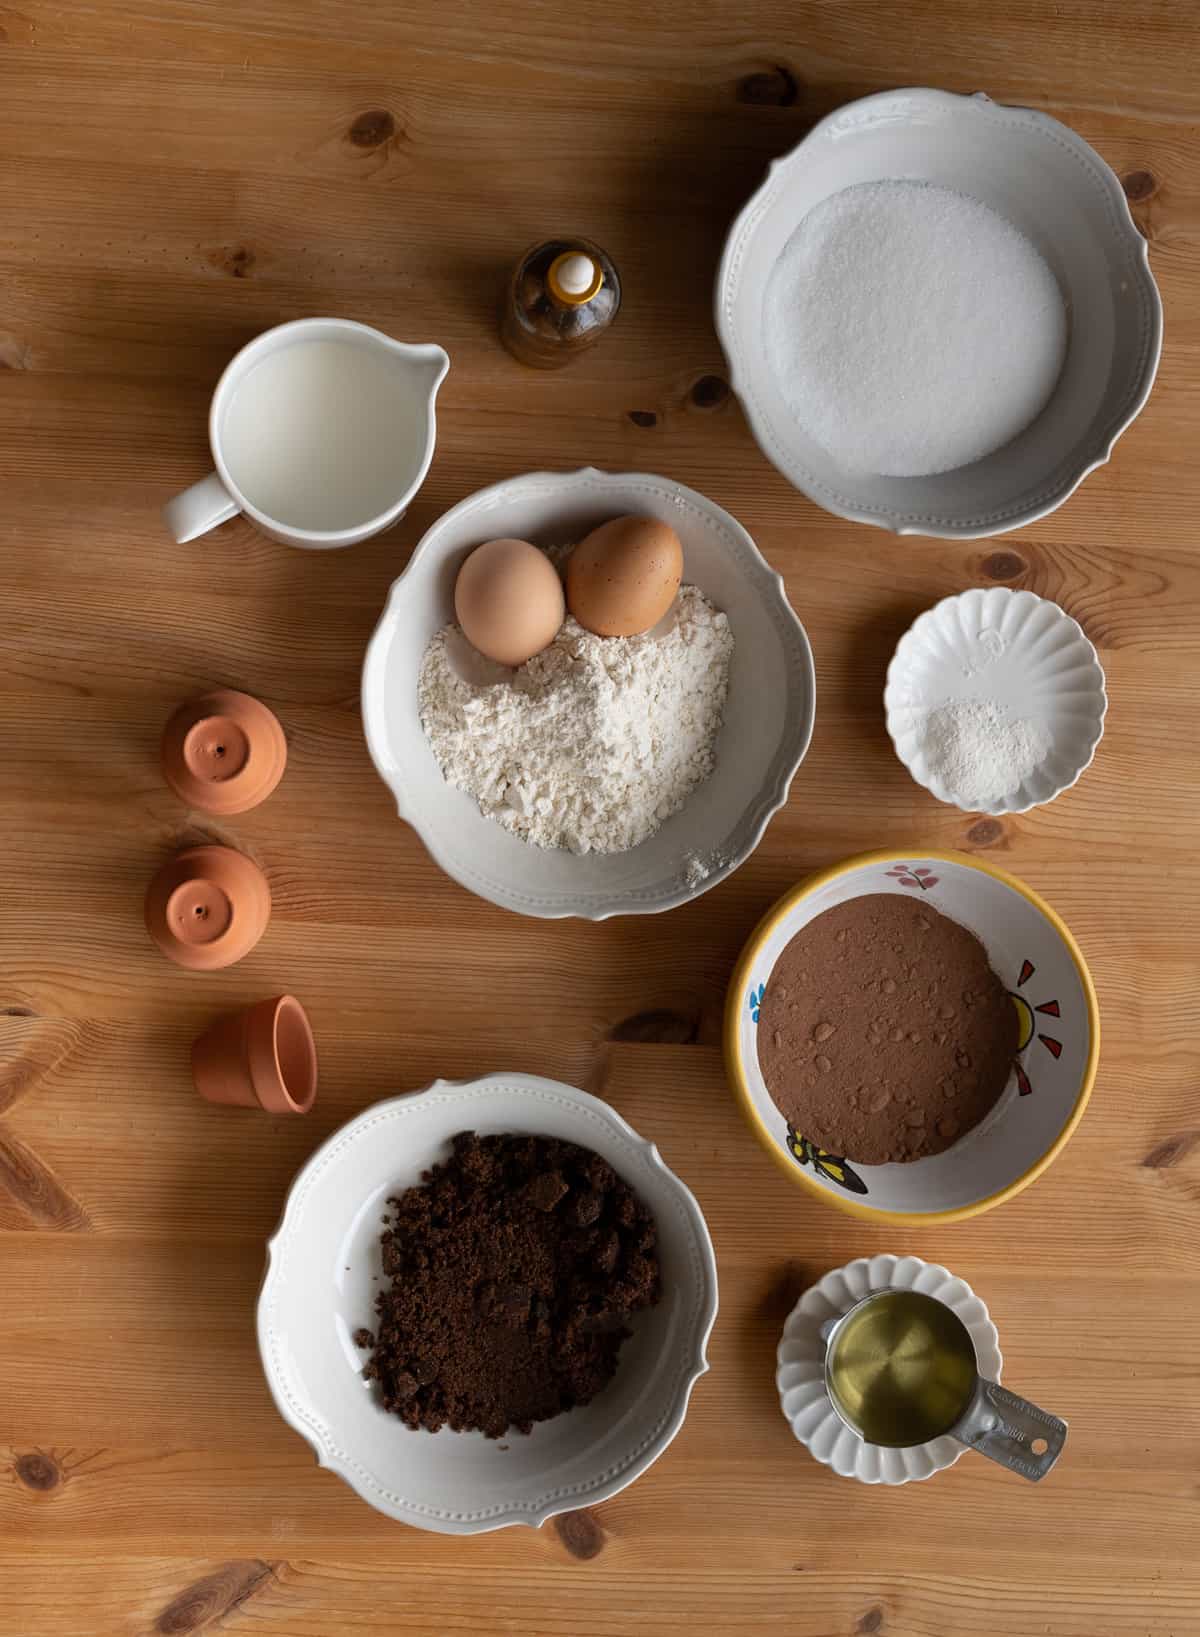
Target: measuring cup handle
x,y
1005,1428
200,508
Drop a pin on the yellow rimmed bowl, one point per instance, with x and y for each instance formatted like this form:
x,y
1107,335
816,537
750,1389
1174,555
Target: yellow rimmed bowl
x,y
1031,950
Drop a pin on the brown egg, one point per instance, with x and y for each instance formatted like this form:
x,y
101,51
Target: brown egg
x,y
508,599
624,576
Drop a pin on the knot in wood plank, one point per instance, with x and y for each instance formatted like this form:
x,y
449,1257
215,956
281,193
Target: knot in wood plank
x,y
38,1471
372,129
777,87
213,1596
581,1533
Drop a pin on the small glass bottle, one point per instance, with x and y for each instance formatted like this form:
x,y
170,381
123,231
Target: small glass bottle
x,y
561,298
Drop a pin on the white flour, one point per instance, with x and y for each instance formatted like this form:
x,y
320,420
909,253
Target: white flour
x,y
595,741
697,867
912,329
980,750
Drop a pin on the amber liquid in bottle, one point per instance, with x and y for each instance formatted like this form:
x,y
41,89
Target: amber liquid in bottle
x,y
562,296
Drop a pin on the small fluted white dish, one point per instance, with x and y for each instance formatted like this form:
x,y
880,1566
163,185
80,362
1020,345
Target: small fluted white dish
x,y
769,709
1017,649
1051,185
800,1372
324,1270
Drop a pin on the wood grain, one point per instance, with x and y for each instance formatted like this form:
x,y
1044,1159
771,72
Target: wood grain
x,y
174,177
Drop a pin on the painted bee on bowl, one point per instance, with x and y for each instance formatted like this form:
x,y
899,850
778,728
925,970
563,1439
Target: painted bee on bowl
x,y
830,1166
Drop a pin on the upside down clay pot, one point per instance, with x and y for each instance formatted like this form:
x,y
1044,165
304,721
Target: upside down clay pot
x,y
224,752
264,1057
207,907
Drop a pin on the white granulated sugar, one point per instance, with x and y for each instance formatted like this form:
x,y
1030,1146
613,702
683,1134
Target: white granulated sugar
x,y
592,743
979,750
912,329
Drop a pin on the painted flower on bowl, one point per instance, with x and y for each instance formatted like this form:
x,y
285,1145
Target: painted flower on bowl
x,y
910,875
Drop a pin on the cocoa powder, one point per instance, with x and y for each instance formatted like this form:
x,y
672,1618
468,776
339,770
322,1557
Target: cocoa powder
x,y
514,1269
884,1034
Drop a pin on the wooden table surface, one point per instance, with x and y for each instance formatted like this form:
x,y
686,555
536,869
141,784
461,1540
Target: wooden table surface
x,y
174,177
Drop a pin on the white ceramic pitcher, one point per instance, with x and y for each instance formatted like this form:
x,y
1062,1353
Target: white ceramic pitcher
x,y
327,446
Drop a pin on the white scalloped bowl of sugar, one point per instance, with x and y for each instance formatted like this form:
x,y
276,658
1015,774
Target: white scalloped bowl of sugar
x,y
1014,168
995,700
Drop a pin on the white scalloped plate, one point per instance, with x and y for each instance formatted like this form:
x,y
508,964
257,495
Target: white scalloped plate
x,y
322,1275
800,1376
1049,183
768,714
1018,649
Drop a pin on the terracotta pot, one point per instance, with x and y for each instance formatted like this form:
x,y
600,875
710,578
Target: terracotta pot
x,y
223,753
207,907
264,1057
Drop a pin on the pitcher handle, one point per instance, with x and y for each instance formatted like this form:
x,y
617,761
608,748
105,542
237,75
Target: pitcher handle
x,y
196,510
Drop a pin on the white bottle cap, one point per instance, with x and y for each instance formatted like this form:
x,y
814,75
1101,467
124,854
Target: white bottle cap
x,y
576,273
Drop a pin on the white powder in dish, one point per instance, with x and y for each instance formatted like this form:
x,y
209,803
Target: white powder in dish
x,y
911,329
697,867
592,743
979,750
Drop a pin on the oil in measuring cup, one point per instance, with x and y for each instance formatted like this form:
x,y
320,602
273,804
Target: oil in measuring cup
x,y
901,1368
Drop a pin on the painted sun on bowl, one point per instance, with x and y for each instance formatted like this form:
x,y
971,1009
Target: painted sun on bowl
x,y
1054,1066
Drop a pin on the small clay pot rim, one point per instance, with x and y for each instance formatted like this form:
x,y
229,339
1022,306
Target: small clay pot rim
x,y
289,1005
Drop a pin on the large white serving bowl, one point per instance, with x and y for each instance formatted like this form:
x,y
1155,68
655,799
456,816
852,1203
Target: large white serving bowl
x,y
768,713
1054,187
324,1269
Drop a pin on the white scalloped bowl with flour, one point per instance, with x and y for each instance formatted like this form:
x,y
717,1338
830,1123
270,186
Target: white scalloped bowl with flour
x,y
1016,649
1056,190
323,1271
769,708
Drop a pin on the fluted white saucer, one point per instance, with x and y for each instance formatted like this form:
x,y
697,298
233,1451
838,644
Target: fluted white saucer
x,y
800,1375
1015,648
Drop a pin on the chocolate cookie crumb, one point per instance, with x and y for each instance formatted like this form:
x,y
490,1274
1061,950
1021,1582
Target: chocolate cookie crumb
x,y
585,1208
546,1190
902,1069
515,1267
363,1337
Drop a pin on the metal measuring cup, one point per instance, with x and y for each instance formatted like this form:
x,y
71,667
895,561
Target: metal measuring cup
x,y
1007,1429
